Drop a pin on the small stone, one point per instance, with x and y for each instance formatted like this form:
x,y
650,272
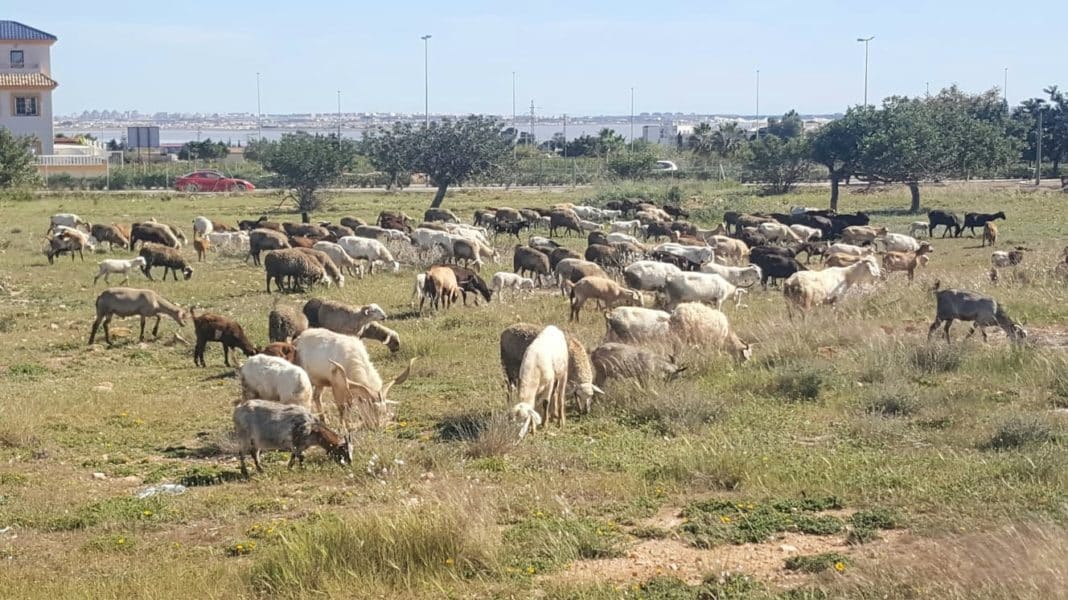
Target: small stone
x,y
99,475
132,479
787,548
53,326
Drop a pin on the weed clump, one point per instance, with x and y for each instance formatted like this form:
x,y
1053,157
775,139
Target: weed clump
x,y
1019,432
817,563
544,543
802,385
713,522
897,401
930,359
877,518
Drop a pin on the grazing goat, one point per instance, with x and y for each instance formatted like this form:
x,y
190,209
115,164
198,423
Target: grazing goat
x,y
952,221
503,279
919,227
636,324
341,318
260,240
115,266
604,291
275,378
615,360
284,350
380,333
542,380
369,249
990,234
983,311
300,268
807,289
973,220
127,302
440,286
201,246
860,234
110,234
263,425
899,242
530,262
700,287
1002,259
906,261
217,328
170,259
699,326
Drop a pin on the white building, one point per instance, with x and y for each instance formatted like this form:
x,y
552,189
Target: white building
x,y
25,83
666,134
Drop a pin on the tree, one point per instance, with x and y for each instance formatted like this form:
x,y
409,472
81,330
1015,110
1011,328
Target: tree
x,y
837,146
608,143
788,127
584,145
204,150
912,140
306,163
776,162
390,151
701,140
728,140
16,159
636,164
451,152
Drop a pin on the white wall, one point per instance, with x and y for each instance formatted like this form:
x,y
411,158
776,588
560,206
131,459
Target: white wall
x,y
36,57
39,126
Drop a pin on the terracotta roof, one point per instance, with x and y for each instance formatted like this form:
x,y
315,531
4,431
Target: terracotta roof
x,y
30,79
15,31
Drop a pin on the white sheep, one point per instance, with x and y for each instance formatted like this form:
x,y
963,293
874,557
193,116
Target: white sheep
x,y
368,249
340,257
542,380
699,326
322,352
635,324
630,227
806,233
202,226
274,378
806,289
740,276
517,283
919,227
701,287
114,266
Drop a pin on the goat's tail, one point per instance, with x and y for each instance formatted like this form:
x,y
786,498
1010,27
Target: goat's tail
x,y
937,286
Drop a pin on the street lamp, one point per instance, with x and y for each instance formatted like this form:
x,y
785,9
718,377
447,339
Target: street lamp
x,y
631,117
259,110
866,40
426,77
757,124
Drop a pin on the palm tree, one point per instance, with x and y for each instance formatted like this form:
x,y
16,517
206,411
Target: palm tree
x,y
700,141
728,139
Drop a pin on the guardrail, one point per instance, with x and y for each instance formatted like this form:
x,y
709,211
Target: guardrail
x,y
72,160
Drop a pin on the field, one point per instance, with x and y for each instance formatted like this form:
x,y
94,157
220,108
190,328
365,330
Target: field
x,y
870,462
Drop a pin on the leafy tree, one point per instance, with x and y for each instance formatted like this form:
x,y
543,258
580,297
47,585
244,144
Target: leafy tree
x,y
728,140
837,146
390,151
584,145
636,164
16,159
788,127
203,150
701,140
306,163
451,152
776,162
609,143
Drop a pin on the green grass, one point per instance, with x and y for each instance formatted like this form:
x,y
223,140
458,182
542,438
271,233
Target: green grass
x,y
934,438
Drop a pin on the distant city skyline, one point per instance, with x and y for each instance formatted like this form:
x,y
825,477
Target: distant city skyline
x,y
581,59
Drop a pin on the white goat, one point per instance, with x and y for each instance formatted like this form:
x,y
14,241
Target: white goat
x,y
739,276
542,380
368,249
805,289
701,287
114,266
517,283
275,378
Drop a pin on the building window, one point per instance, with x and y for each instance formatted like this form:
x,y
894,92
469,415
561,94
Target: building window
x,y
26,106
18,59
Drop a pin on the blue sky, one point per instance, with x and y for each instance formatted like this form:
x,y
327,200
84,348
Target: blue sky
x,y
574,57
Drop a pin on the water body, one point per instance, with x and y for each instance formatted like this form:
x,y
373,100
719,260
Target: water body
x,y
167,135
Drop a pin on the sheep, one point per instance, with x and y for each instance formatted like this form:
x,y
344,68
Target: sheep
x,y
649,275
973,220
568,267
351,222
157,233
338,231
738,276
777,232
860,234
115,266
602,290
299,241
341,361
919,227
699,255
898,242
906,261
67,220
217,328
418,293
700,326
990,234
372,232
516,283
249,225
806,289
276,379
729,248
231,242
379,332
1002,259
68,240
605,256
127,302
264,425
341,318
285,323
514,341
330,268
368,249
527,260
841,248
622,237
700,287
983,311
292,263
281,350
340,258
560,254
806,233
636,324
567,221
615,360
170,259
580,375
202,226
472,251
440,286
625,226
440,214
110,234
542,383
308,230
841,260
265,239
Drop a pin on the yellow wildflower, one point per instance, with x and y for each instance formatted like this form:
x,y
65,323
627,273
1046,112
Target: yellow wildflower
x,y
146,513
725,519
121,541
531,570
448,561
839,566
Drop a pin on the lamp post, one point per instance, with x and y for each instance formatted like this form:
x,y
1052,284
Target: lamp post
x,y
757,124
632,117
259,109
339,118
866,41
426,78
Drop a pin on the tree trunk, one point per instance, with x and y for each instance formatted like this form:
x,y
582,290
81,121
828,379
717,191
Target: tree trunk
x,y
834,191
439,197
304,217
914,189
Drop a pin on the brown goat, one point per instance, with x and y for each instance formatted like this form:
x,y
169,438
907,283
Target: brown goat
x,y
201,245
990,233
284,350
217,328
440,286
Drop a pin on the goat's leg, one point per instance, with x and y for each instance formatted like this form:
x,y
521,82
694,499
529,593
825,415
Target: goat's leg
x,y
198,352
932,328
317,399
948,323
155,329
142,336
256,459
92,332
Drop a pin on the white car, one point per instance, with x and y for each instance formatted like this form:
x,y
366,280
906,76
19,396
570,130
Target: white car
x,y
664,166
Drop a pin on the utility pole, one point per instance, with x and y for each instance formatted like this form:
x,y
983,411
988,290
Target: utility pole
x,y
1038,147
339,118
426,78
565,136
757,104
259,109
632,117
927,86
532,122
866,41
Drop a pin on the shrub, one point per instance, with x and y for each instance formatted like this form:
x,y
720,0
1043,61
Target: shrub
x,y
936,358
877,518
896,401
1018,432
816,563
861,535
802,385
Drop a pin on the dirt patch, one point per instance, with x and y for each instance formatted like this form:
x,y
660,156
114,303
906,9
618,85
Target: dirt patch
x,y
1053,336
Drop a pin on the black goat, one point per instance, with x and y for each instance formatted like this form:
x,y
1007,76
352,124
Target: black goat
x,y
946,218
973,220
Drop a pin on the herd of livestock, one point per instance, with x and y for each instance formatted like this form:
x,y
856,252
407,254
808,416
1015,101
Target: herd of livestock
x,y
636,254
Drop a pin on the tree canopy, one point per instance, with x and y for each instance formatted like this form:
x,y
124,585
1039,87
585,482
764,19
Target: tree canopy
x,y
203,150
306,163
776,162
452,152
389,151
837,146
16,160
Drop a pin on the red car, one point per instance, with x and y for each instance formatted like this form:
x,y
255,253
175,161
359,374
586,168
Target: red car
x,y
211,181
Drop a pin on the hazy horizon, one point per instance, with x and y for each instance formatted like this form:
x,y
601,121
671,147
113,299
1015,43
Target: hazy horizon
x,y
581,60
